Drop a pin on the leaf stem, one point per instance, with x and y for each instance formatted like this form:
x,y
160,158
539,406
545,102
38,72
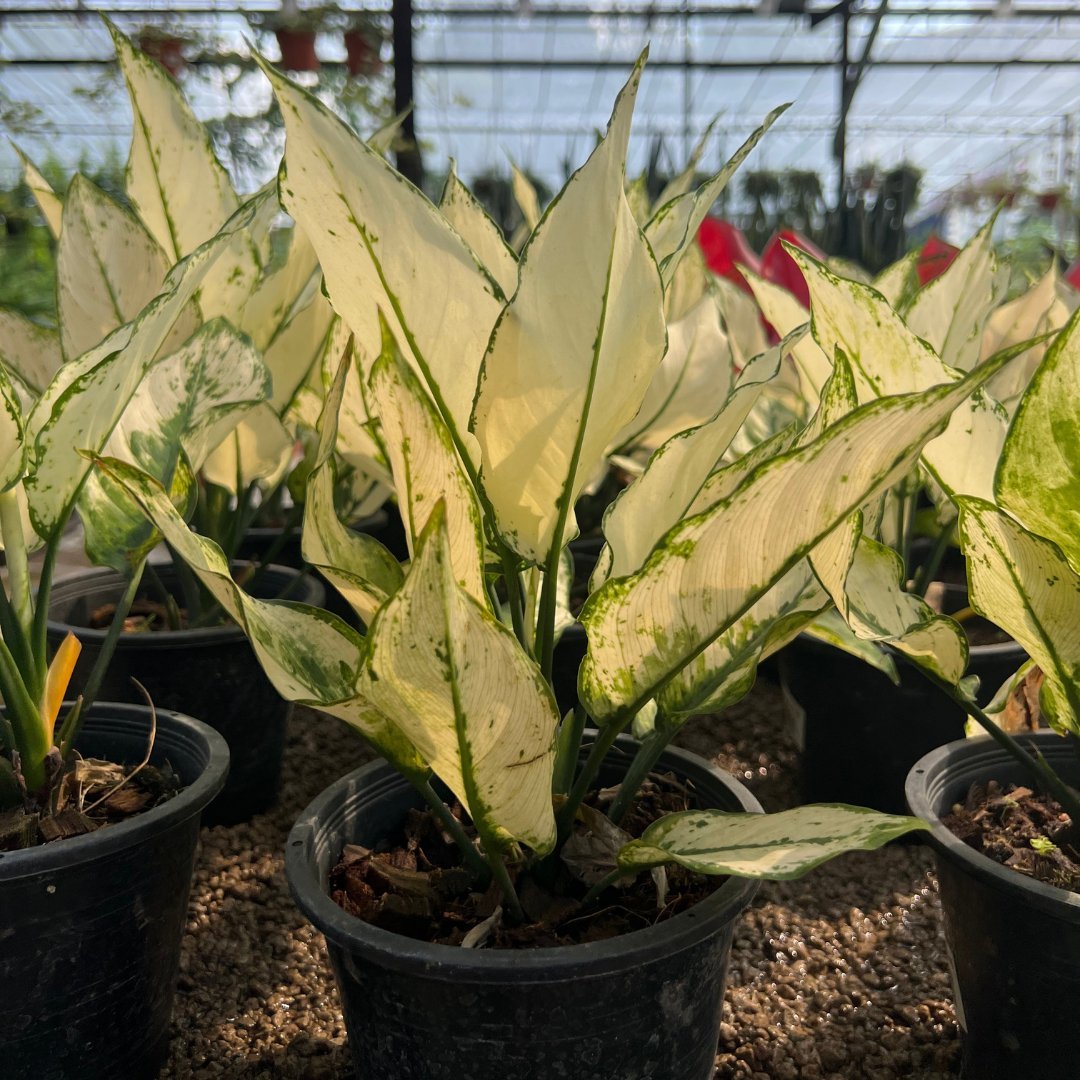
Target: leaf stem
x,y
604,883
112,636
568,750
513,593
933,563
476,862
644,762
604,741
510,896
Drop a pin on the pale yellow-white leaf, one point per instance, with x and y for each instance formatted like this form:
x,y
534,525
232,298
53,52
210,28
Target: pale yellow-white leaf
x,y
258,449
572,356
742,321
831,629
49,203
459,685
898,280
30,352
13,448
382,139
525,196
775,847
465,212
1022,583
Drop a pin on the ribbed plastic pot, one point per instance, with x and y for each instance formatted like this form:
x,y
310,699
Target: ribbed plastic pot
x,y
207,672
860,734
1014,942
90,927
645,1006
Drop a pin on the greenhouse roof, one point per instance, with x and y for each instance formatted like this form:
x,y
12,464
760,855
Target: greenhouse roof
x,y
968,92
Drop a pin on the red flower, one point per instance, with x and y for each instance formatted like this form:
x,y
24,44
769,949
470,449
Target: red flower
x,y
781,269
935,258
725,249
1072,275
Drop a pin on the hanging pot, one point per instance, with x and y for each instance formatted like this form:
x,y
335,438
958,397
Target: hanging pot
x,y
210,672
1014,942
644,1006
90,927
297,49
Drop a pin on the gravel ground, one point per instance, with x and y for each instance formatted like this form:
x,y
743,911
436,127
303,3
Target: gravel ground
x,y
841,975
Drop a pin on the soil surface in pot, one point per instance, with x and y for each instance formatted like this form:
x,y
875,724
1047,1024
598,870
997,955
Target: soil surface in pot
x,y
416,884
1019,828
840,975
93,795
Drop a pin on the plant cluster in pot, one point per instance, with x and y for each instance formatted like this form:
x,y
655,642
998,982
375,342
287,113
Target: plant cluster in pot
x,y
495,385
862,725
92,917
246,368
1009,861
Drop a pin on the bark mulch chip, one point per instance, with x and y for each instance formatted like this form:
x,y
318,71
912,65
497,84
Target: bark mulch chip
x,y
841,975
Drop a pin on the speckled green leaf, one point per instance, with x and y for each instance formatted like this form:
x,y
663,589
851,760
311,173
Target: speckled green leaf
x,y
1022,583
30,352
13,448
775,847
1038,477
712,568
460,686
108,267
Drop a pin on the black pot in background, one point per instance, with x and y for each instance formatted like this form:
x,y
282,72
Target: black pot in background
x,y
644,1006
1014,942
570,648
860,734
90,927
209,672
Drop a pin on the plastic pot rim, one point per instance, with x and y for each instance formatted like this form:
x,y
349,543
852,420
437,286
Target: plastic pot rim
x,y
946,774
433,960
122,718
166,639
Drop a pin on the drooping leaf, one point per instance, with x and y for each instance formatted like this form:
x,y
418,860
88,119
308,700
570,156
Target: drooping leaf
x,y
465,212
460,686
427,470
831,629
777,847
356,210
572,354
712,568
1038,477
108,267
356,564
673,228
1022,583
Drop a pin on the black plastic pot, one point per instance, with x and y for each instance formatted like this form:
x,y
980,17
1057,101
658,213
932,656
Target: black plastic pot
x,y
90,927
860,734
208,672
645,1006
1014,942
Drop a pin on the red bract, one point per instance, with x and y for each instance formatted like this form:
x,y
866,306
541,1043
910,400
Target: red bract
x,y
781,269
1072,275
935,258
725,249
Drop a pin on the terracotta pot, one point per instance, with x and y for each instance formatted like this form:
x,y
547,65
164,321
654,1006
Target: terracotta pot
x,y
167,51
362,60
297,49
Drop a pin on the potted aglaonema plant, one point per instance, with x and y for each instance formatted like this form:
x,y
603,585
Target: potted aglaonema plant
x,y
1005,809
863,725
493,413
93,915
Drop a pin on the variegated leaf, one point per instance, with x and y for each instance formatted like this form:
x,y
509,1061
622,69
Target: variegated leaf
x,y
30,352
573,353
674,226
310,656
888,358
712,568
776,847
780,308
675,474
464,211
1030,315
178,187
382,139
831,629
426,468
82,405
13,448
691,383
950,312
183,408
108,267
742,321
383,246
681,184
898,281
1022,583
356,564
460,686
49,203
258,449
1038,477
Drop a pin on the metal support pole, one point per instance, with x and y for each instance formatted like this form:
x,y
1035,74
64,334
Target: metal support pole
x,y
409,162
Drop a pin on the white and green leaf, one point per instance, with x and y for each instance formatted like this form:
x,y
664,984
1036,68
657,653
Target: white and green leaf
x,y
573,353
776,847
30,352
465,212
49,203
